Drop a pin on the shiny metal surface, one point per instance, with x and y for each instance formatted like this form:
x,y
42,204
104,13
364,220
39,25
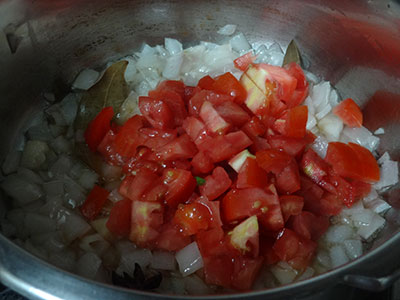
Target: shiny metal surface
x,y
43,44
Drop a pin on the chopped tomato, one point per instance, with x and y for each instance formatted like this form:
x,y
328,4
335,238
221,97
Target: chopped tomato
x,y
173,85
227,84
218,270
349,112
98,128
194,127
291,205
157,138
213,120
211,242
216,184
202,163
233,113
119,222
309,225
206,83
239,204
245,272
301,91
272,160
128,138
296,122
134,187
199,98
369,166
288,180
314,166
254,127
94,202
179,148
181,185
290,145
213,208
243,62
266,250
191,218
251,175
156,112
157,192
171,238
190,91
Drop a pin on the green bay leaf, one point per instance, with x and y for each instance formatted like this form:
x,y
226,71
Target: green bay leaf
x,y
110,90
292,54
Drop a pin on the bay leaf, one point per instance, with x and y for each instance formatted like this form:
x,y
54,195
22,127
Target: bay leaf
x,y
111,90
292,54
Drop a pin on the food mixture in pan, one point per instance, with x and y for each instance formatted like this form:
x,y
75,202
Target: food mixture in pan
x,y
210,169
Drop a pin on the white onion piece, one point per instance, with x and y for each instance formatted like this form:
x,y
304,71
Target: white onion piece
x,y
61,166
130,70
85,79
88,265
370,197
228,29
389,171
371,230
52,206
239,159
88,179
379,206
284,273
143,88
34,154
331,126
125,247
75,195
11,162
308,273
323,112
311,77
189,259
54,188
338,256
94,243
195,286
36,223
173,46
100,225
239,43
72,226
333,97
361,136
36,250
173,66
353,248
51,241
323,258
379,131
40,132
338,233
22,191
311,121
163,261
65,260
50,97
276,54
219,60
115,196
320,146
143,257
320,95
29,175
69,107
61,145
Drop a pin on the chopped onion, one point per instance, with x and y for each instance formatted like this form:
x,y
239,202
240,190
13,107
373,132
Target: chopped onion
x,y
22,191
69,107
163,261
36,224
361,136
75,195
36,250
54,188
323,112
284,273
370,197
72,226
389,171
115,196
331,126
128,108
308,273
228,29
276,54
51,241
61,145
338,256
94,243
311,77
100,225
29,176
239,43
88,179
379,131
195,286
173,46
338,233
143,257
320,146
88,265
320,95
40,132
65,259
34,155
189,259
61,166
323,258
370,231
52,207
85,79
379,206
173,66
353,248
130,70
218,60
11,162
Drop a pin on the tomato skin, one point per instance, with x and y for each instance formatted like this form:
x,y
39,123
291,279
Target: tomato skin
x,y
128,138
296,122
179,148
173,85
156,138
288,180
192,218
216,184
243,62
156,112
272,160
349,112
227,84
233,113
206,83
251,175
202,163
94,202
199,98
134,187
309,225
301,91
254,127
119,222
369,166
98,128
292,146
213,208
314,166
194,127
291,205
181,185
156,193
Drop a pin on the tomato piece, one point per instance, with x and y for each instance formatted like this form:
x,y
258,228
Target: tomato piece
x,y
206,83
191,218
214,122
98,128
243,62
245,237
218,270
272,160
254,127
202,163
174,102
194,127
173,85
180,148
211,242
270,257
94,202
369,166
181,185
156,193
349,112
106,148
294,249
233,113
291,205
259,144
290,145
309,225
213,208
133,187
156,138
239,204
288,180
171,239
314,166
360,189
221,148
119,221
216,184
296,122
189,92
251,175
245,272
227,84
301,91
199,98
128,138
156,112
